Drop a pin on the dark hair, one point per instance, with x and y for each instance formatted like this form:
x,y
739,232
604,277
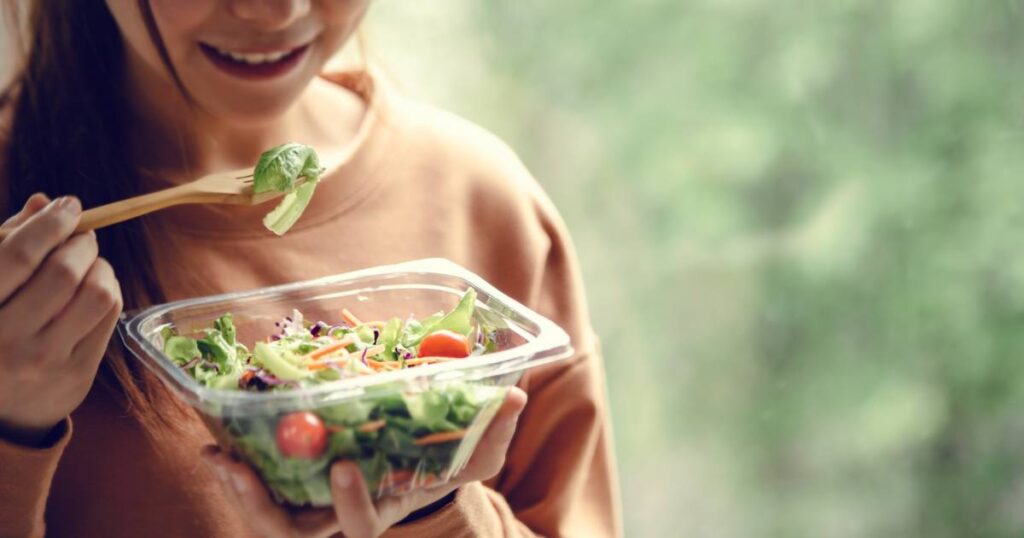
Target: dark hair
x,y
68,135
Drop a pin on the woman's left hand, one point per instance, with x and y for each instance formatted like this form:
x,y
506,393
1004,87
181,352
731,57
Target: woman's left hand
x,y
354,513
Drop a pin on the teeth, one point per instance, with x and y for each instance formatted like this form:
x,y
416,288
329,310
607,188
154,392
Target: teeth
x,y
255,58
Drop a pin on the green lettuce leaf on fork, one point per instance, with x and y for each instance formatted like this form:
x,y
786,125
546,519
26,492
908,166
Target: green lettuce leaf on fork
x,y
280,169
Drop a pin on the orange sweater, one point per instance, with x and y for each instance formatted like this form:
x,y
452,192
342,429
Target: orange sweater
x,y
421,183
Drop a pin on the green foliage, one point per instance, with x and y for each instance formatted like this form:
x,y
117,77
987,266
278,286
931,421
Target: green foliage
x,y
802,218
280,167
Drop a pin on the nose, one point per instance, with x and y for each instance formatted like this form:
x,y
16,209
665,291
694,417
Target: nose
x,y
269,14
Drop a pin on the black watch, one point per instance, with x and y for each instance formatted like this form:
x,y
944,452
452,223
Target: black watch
x,y
421,513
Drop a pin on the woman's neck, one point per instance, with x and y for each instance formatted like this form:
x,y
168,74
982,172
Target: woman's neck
x,y
180,142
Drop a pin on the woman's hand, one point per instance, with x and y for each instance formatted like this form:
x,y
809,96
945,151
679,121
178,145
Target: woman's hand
x,y
354,513
59,303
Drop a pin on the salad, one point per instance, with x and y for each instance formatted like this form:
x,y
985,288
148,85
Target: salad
x,y
400,436
293,169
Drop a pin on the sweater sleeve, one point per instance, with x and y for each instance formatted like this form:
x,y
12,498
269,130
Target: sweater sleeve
x,y
476,511
25,477
559,477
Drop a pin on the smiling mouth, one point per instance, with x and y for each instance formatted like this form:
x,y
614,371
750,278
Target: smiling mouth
x,y
254,65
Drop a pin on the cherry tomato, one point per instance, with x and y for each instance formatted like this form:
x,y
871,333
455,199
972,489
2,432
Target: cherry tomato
x,y
444,343
301,435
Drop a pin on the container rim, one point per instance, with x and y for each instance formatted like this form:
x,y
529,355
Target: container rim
x,y
550,344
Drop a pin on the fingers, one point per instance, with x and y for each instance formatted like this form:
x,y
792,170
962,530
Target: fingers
x,y
99,293
88,352
515,402
353,506
35,202
24,249
489,456
392,509
55,283
251,498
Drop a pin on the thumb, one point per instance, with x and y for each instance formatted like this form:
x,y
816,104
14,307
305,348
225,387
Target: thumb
x,y
353,506
35,202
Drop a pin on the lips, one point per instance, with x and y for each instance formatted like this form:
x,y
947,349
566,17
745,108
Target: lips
x,y
252,65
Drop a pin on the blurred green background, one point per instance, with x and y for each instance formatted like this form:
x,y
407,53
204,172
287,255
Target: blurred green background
x,y
798,221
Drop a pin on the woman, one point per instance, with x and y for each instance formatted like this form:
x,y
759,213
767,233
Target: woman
x,y
124,97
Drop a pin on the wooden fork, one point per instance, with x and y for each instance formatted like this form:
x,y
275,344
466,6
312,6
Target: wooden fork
x,y
220,188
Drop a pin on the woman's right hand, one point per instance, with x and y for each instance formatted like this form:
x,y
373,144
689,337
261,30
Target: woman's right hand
x,y
59,303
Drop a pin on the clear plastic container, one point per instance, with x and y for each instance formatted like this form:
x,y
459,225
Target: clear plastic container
x,y
390,457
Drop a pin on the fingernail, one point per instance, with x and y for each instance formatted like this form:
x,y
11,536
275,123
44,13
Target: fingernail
x,y
37,197
69,204
239,482
342,477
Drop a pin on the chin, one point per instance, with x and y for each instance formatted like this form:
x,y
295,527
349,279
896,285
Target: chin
x,y
249,110
249,102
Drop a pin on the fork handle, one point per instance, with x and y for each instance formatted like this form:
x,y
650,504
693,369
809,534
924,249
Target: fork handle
x,y
129,208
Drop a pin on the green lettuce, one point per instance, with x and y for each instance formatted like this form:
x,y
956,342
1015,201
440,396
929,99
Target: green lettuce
x,y
429,409
180,349
281,219
223,355
459,320
226,326
279,362
389,336
279,169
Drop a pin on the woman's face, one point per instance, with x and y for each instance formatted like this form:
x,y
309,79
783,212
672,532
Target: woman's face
x,y
244,61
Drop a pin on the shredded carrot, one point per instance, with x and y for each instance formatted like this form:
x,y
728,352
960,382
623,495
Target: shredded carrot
x,y
428,360
400,476
383,365
330,348
375,350
335,429
372,426
320,365
345,342
440,437
400,480
350,317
